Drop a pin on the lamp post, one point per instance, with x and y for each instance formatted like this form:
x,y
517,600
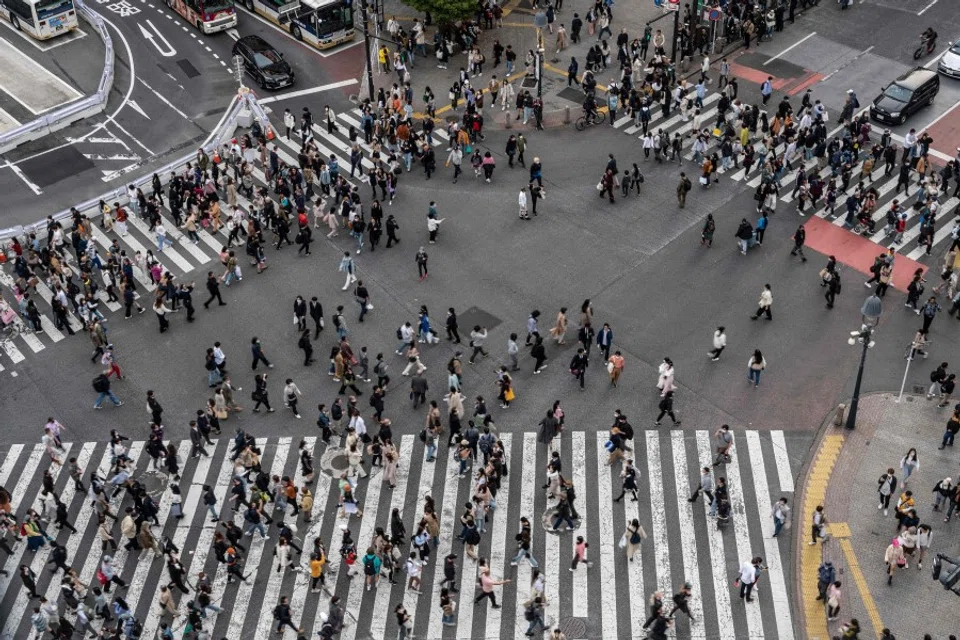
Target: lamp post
x,y
366,45
870,312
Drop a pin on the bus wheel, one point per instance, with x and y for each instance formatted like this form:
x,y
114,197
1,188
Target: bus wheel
x,y
249,5
297,34
15,22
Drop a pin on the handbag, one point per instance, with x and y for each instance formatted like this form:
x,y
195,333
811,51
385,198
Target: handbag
x,y
704,180
509,395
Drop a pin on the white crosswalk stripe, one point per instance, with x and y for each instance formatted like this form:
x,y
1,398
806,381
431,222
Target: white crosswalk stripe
x,y
684,545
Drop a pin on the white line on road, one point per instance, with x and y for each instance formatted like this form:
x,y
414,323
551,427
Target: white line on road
x,y
718,560
164,100
771,546
924,10
661,544
498,538
688,540
608,551
20,174
795,44
579,459
741,530
783,461
306,92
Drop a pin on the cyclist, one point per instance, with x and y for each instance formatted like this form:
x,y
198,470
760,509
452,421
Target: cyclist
x,y
590,109
929,38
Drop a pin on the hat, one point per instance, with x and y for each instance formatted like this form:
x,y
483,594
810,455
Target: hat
x,y
465,442
849,90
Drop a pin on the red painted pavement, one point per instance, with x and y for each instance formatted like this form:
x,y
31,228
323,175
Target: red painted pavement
x,y
756,76
946,132
855,251
808,80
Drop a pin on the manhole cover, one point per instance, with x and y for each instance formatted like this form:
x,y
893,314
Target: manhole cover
x,y
528,82
154,483
475,316
334,461
573,627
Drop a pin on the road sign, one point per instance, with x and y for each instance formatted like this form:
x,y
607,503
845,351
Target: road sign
x,y
671,5
714,14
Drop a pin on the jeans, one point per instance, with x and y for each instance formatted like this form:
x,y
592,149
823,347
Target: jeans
x,y
257,526
213,511
948,438
106,394
162,240
537,620
523,553
777,526
509,65
431,450
754,376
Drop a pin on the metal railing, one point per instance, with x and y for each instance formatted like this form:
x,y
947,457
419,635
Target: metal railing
x,y
245,99
76,110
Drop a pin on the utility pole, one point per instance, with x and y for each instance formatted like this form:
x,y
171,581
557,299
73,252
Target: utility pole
x,y
676,35
366,46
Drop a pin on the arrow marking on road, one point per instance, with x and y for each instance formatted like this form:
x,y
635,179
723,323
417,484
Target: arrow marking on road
x,y
166,50
136,107
233,34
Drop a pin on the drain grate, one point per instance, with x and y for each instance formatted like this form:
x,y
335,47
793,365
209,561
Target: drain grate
x,y
573,627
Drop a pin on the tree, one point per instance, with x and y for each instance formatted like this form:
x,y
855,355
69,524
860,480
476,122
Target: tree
x,y
445,12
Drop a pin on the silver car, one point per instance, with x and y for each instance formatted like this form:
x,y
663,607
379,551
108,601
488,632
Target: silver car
x,y
950,62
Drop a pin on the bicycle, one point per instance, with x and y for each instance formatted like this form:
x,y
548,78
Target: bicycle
x,y
583,122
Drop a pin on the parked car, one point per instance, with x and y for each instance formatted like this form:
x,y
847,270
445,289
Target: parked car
x,y
950,62
906,95
263,63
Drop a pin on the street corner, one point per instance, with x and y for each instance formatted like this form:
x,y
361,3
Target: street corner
x,y
945,131
846,469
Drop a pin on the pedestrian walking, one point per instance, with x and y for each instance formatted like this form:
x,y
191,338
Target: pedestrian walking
x,y
666,408
781,516
749,572
683,188
765,305
719,343
631,538
799,239
894,559
755,366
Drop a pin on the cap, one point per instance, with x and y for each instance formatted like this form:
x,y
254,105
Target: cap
x,y
849,90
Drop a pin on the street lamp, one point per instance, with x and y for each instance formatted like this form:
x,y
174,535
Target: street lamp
x,y
870,318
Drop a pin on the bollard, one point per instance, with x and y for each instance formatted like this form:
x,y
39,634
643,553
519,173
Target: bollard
x,y
566,115
838,419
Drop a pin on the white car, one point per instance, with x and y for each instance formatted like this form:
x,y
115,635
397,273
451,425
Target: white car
x,y
950,62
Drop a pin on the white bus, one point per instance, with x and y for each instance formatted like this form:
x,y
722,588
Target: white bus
x,y
42,19
319,23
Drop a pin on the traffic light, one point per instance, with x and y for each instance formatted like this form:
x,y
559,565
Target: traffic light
x,y
948,576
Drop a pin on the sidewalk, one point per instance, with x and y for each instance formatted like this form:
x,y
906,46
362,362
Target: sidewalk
x,y
843,477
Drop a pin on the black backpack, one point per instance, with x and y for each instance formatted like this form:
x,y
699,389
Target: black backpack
x,y
100,384
368,566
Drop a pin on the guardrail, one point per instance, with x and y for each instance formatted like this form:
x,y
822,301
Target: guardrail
x,y
232,119
76,110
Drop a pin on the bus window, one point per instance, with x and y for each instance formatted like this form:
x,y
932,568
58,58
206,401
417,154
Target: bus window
x,y
52,7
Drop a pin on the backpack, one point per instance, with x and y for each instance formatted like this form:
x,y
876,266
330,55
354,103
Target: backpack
x,y
100,384
399,333
368,566
423,435
687,185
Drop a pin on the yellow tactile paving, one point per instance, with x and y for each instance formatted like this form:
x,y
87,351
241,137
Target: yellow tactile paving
x,y
816,490
853,567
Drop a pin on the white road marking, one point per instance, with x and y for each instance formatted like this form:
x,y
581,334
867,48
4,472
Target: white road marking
x,y
161,44
9,462
688,539
924,10
498,538
255,554
661,544
718,561
742,533
784,475
579,459
609,552
306,92
20,174
164,100
793,46
551,549
771,547
381,604
521,576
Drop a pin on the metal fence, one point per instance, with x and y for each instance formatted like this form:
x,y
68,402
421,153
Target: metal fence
x,y
76,110
244,102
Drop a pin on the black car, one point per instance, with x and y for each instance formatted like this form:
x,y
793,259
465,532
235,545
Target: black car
x,y
264,63
906,95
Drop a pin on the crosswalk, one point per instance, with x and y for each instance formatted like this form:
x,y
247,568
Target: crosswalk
x,y
607,600
179,258
947,225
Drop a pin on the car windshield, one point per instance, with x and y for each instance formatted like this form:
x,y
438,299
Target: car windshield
x,y
898,93
266,58
955,48
212,6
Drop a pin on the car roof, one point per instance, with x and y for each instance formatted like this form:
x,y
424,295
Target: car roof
x,y
915,78
255,43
